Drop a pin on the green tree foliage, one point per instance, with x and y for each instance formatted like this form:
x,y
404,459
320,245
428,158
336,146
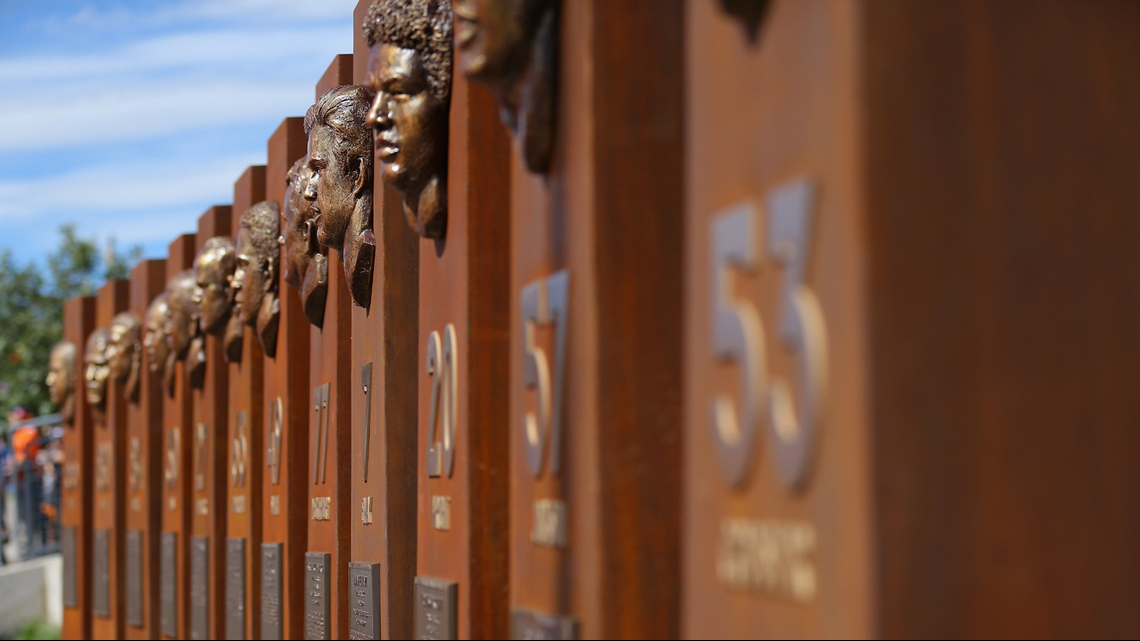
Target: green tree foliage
x,y
31,311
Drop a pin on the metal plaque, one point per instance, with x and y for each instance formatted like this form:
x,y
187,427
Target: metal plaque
x,y
435,608
134,579
317,595
101,573
199,587
168,592
527,624
235,588
67,548
363,600
271,627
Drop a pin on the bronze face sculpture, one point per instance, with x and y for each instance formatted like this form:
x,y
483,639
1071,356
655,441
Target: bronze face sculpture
x,y
61,379
512,46
255,279
124,352
96,370
749,12
214,268
340,182
409,67
182,329
304,262
160,359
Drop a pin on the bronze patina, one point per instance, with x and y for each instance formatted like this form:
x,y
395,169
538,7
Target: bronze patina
x,y
512,46
61,379
124,352
305,262
214,268
255,279
182,329
340,182
409,67
160,359
96,370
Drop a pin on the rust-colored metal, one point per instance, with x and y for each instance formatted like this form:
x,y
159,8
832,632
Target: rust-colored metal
x,y
595,364
76,489
209,469
145,462
109,474
384,398
462,477
285,490
244,445
177,441
329,421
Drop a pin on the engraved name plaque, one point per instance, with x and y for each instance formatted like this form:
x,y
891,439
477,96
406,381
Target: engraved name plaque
x,y
435,602
168,595
67,548
527,624
317,595
101,573
199,587
134,578
363,600
271,627
235,588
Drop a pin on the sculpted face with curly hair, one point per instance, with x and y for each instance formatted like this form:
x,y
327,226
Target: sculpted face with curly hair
x,y
409,66
255,278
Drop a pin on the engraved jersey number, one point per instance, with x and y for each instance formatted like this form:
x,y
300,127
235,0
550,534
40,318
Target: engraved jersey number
x,y
321,446
442,366
273,440
171,471
103,454
135,466
737,336
200,435
545,302
238,450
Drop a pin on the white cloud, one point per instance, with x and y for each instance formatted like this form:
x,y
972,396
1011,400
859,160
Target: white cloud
x,y
159,15
216,52
137,111
167,80
148,183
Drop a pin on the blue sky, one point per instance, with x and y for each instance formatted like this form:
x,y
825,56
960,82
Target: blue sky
x,y
130,118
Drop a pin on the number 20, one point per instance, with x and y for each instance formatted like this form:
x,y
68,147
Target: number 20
x,y
737,335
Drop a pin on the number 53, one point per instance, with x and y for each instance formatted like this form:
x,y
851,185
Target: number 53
x,y
738,336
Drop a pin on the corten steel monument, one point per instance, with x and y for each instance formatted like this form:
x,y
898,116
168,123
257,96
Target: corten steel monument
x,y
130,364
778,319
325,579
439,142
595,301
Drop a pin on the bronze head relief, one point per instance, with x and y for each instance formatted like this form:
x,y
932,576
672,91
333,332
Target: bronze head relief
x,y
512,46
409,67
304,262
214,268
96,370
124,352
340,182
183,335
255,279
160,358
61,379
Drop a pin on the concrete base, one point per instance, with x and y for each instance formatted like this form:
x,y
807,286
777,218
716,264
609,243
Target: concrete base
x,y
32,591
